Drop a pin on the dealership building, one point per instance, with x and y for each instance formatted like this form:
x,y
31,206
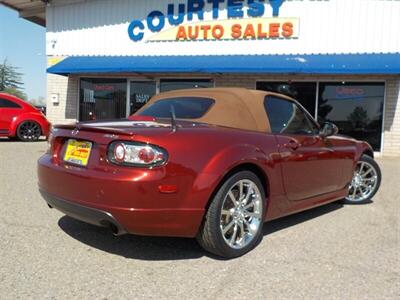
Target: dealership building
x,y
339,58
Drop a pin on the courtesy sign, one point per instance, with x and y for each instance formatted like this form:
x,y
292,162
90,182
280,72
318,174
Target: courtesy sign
x,y
231,20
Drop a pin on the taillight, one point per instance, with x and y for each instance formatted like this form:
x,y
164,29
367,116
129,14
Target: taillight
x,y
49,144
136,154
119,152
50,140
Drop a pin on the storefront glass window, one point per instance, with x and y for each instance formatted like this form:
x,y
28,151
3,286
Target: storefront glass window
x,y
102,99
356,108
140,94
304,92
180,84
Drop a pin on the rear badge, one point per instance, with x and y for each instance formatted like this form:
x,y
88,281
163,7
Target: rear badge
x,y
111,136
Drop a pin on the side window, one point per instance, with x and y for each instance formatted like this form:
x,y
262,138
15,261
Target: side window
x,y
8,104
287,117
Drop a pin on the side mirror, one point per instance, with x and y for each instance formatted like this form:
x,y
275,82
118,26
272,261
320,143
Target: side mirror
x,y
328,129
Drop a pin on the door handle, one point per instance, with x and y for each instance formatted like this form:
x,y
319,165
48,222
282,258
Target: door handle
x,y
292,144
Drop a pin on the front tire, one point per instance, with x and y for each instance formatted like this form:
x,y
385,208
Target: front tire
x,y
233,223
366,181
29,131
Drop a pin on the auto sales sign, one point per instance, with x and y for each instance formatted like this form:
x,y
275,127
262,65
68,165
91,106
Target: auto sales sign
x,y
227,20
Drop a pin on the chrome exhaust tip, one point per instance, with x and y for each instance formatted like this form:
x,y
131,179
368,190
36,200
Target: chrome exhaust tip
x,y
114,229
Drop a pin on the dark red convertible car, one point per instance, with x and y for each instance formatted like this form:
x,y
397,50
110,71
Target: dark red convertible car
x,y
214,164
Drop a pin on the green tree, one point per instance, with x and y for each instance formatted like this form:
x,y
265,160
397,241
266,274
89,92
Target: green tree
x,y
10,80
16,92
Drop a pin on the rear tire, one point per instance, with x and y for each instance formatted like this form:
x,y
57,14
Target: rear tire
x,y
233,222
366,181
29,131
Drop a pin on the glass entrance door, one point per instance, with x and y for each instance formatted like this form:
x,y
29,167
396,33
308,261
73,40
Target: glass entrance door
x,y
140,93
102,99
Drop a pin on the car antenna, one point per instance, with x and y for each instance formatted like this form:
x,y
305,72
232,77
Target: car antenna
x,y
173,118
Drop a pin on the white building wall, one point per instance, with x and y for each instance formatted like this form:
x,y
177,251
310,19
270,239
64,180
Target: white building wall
x,y
67,89
391,146
326,26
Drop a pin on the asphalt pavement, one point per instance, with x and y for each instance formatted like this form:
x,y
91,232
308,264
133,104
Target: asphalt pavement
x,y
332,252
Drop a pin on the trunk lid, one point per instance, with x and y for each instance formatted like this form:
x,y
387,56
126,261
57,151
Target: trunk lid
x,y
101,134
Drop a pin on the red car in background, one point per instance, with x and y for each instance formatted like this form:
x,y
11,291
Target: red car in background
x,y
20,119
207,163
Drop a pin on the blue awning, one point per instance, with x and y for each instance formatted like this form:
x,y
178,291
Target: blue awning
x,y
289,64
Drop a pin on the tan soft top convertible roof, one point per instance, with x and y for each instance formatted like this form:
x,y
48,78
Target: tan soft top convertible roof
x,y
234,107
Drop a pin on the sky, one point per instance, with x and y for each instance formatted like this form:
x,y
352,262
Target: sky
x,y
23,43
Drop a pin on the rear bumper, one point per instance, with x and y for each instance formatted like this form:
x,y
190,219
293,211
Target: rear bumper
x,y
103,198
86,214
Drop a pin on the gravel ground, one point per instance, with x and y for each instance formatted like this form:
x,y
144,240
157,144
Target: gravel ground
x,y
332,252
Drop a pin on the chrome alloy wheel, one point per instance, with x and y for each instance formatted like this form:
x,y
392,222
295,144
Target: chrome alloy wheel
x,y
241,214
364,182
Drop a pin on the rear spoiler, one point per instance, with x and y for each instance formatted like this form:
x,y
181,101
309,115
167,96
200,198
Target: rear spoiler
x,y
127,125
78,126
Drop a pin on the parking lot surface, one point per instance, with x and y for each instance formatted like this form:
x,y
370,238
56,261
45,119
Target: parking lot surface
x,y
331,252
